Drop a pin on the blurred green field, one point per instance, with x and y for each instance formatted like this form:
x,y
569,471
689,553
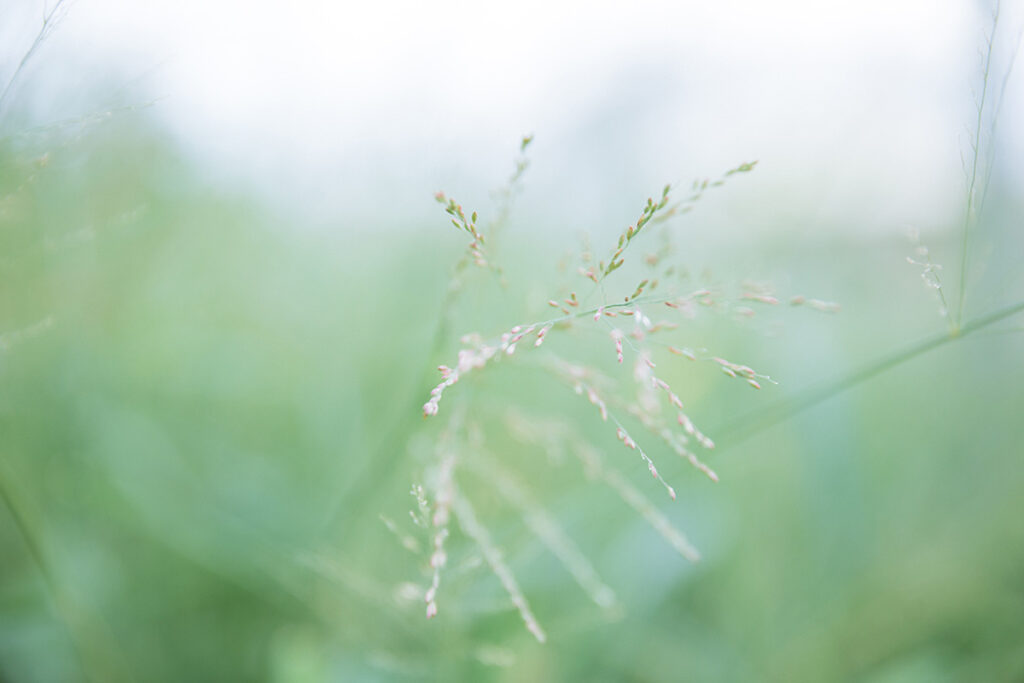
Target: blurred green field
x,y
205,408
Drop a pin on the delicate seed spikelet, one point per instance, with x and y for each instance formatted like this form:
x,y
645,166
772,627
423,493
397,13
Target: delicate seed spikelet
x,y
590,459
628,441
439,558
547,530
930,275
692,430
540,335
596,400
649,401
475,530
407,541
475,358
761,298
816,304
686,353
617,338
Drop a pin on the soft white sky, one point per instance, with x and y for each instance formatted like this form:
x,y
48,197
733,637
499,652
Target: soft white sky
x,y
857,110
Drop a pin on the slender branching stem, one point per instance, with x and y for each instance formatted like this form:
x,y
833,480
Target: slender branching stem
x,y
92,647
969,211
753,423
50,20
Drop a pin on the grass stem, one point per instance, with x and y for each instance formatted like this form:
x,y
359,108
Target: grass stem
x,y
755,422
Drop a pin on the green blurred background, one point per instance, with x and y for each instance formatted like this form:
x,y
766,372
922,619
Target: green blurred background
x,y
207,401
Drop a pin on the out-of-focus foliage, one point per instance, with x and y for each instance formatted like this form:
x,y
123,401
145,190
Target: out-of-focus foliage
x,y
204,409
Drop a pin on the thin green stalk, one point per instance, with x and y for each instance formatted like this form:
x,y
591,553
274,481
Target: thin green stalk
x,y
49,21
976,145
753,423
1001,98
391,444
93,650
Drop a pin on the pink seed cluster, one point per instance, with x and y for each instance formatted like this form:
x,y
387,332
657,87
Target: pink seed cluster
x,y
628,441
760,298
691,429
597,401
742,371
617,338
477,357
439,520
816,304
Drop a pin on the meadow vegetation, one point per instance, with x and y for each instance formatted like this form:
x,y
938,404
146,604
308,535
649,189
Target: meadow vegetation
x,y
227,451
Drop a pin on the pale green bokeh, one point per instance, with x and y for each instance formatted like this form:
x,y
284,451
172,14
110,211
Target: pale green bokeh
x,y
205,407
